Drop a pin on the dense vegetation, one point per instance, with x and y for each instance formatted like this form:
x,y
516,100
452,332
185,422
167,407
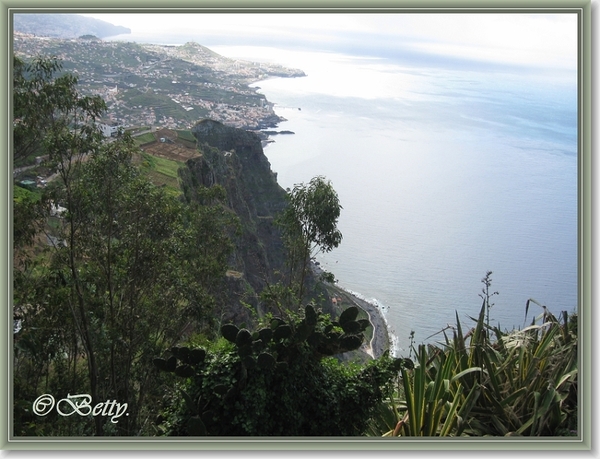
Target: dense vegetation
x,y
129,268
120,287
279,380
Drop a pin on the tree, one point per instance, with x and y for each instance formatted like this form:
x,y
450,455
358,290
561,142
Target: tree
x,y
51,117
132,268
309,227
138,268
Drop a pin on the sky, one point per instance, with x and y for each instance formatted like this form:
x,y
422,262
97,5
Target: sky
x,y
540,40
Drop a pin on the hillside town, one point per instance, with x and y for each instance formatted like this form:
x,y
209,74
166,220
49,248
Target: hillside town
x,y
160,85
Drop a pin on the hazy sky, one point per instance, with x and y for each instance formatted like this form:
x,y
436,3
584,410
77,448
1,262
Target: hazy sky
x,y
540,40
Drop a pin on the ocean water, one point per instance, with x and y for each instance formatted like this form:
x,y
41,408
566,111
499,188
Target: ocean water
x,y
444,170
443,174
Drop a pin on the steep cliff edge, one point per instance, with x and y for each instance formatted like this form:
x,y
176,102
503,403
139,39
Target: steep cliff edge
x,y
234,159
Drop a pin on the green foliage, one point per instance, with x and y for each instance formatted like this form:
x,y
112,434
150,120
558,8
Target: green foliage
x,y
436,401
309,226
45,103
277,380
131,268
522,383
313,213
186,135
145,138
27,217
161,171
139,267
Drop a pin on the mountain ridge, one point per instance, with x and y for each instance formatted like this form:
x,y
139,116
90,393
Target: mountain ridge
x,y
62,25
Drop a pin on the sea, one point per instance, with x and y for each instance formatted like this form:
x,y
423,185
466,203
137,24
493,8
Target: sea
x,y
445,172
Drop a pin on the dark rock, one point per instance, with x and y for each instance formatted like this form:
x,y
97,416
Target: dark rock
x,y
234,159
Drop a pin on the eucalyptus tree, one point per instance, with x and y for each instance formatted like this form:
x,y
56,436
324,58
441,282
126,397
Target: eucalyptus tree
x,y
309,227
139,268
50,117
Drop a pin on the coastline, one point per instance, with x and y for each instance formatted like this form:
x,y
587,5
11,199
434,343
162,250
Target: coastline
x,y
382,339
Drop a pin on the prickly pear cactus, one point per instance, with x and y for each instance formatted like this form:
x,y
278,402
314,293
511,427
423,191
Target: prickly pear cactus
x,y
272,381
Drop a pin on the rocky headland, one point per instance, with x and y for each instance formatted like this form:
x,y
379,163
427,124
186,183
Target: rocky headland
x,y
234,158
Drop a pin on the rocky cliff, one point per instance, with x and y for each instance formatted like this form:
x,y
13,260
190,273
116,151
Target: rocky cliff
x,y
234,159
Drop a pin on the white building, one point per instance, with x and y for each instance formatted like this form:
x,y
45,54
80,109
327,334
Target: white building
x,y
109,129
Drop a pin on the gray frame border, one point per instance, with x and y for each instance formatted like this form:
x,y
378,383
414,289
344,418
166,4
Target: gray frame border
x,y
583,443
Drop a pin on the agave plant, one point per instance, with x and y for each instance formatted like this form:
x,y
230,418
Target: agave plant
x,y
489,383
531,381
436,401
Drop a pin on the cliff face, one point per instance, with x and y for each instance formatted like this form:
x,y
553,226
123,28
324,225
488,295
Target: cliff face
x,y
234,159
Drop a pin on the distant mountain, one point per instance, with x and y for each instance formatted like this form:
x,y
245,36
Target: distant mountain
x,y
64,25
